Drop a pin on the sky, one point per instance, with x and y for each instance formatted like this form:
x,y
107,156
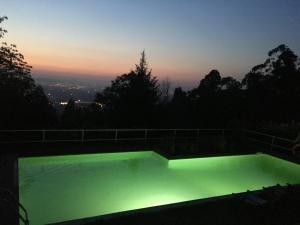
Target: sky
x,y
183,39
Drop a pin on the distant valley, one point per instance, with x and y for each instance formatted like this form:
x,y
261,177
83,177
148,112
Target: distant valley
x,y
60,89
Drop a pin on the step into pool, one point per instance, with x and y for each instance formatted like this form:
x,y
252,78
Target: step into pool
x,y
60,188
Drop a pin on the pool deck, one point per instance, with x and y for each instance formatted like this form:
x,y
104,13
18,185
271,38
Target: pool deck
x,y
274,205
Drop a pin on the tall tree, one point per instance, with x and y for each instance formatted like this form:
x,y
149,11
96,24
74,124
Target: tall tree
x,y
204,100
211,82
132,98
273,87
23,103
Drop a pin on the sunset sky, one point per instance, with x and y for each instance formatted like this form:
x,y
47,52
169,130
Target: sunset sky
x,y
182,39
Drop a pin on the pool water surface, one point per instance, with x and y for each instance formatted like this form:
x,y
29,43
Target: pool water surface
x,y
60,188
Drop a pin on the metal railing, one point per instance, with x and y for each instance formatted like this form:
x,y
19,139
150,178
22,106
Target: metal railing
x,y
89,135
8,197
268,140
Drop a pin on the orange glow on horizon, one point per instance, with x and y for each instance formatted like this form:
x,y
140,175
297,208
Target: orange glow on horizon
x,y
58,60
75,64
100,67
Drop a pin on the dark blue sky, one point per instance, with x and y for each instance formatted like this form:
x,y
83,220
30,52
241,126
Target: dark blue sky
x,y
182,39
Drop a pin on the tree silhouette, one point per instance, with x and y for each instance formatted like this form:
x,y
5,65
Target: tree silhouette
x,y
231,101
23,103
273,87
165,88
132,98
269,92
204,100
72,117
229,83
179,109
211,82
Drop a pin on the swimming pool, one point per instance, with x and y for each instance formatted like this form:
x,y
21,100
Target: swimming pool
x,y
60,188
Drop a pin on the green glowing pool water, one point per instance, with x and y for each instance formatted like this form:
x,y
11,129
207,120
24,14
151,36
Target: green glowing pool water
x,y
62,188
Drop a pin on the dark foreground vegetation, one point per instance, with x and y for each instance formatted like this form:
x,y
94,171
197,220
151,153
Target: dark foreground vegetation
x,y
267,96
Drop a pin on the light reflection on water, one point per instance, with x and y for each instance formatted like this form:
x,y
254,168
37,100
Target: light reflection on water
x,y
70,187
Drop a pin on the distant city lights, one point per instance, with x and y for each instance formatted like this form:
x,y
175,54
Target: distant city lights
x,y
99,104
83,103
